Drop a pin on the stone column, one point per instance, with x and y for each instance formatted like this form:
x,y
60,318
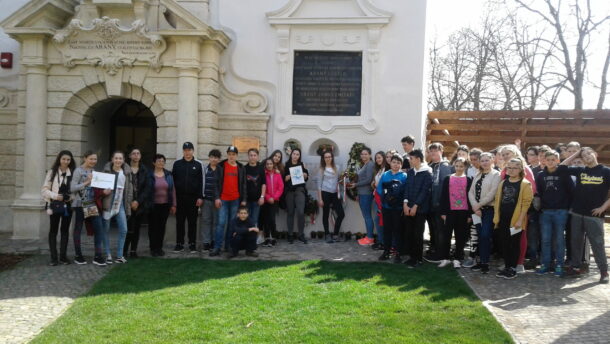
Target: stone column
x,y
28,219
187,62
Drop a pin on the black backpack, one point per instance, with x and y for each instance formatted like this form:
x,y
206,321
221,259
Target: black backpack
x,y
393,193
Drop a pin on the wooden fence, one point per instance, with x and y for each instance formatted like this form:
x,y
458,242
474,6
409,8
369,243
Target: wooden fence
x,y
488,129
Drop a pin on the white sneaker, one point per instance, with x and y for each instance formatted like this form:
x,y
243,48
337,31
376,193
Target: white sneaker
x,y
456,264
260,240
444,263
109,259
520,269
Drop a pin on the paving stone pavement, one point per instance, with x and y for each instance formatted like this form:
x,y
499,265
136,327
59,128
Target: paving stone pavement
x,y
32,295
532,308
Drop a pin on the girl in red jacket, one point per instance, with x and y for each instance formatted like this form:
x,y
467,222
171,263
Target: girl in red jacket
x,y
275,189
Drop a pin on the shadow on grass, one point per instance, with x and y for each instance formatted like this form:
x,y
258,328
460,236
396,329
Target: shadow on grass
x,y
428,280
146,275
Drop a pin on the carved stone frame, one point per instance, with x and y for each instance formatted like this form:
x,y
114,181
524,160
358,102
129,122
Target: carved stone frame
x,y
349,33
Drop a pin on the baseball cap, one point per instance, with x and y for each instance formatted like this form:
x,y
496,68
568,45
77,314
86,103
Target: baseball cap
x,y
232,149
188,145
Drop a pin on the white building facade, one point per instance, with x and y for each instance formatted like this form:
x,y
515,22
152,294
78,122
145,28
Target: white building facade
x,y
112,74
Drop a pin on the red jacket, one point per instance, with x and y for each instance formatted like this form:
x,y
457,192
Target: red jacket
x,y
275,185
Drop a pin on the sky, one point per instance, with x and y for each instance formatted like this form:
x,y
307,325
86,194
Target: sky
x,y
446,16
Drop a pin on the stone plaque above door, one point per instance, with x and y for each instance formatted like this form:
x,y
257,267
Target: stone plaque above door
x,y
109,45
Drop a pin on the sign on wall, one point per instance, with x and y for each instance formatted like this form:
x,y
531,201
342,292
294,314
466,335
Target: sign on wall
x,y
327,83
107,44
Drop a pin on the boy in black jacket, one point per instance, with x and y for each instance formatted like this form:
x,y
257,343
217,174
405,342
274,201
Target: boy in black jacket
x,y
244,233
188,181
440,170
416,205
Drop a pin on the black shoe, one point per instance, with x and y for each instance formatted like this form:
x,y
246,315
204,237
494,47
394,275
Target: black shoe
x,y
193,248
510,274
206,247
179,248
302,239
329,239
290,239
412,263
215,252
603,279
80,260
99,261
161,253
231,255
484,268
384,256
64,261
251,254
477,267
432,258
502,273
133,254
154,253
396,259
572,272
53,263
273,242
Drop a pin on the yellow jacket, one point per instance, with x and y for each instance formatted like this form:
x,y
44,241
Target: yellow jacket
x,y
523,203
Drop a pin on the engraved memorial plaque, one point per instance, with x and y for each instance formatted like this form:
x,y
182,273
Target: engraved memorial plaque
x,y
243,143
327,83
107,44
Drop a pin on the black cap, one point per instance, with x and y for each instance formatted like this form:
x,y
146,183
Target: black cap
x,y
232,149
188,145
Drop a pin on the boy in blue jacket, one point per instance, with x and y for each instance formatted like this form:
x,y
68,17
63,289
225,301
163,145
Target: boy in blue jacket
x,y
391,189
416,205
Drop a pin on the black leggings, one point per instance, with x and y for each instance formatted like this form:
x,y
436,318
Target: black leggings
x,y
456,221
511,245
331,198
267,218
65,233
133,232
156,226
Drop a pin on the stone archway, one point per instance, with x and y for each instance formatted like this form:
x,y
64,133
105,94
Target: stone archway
x,y
88,115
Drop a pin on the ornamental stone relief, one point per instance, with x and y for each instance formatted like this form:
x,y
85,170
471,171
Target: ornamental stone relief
x,y
109,45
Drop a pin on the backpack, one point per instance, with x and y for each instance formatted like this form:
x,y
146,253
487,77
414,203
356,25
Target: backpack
x,y
393,193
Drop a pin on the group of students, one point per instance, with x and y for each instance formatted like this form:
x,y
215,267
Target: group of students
x,y
496,201
524,210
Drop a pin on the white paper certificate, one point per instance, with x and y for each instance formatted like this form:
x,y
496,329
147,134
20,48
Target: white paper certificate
x,y
476,219
514,230
296,175
102,180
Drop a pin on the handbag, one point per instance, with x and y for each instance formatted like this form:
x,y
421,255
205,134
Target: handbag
x,y
90,209
57,208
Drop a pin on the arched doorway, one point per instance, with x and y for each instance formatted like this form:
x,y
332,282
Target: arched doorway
x,y
122,124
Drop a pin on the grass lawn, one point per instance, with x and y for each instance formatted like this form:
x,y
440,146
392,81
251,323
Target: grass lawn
x,y
202,301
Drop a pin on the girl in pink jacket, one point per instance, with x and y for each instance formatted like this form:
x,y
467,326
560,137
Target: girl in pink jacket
x,y
275,189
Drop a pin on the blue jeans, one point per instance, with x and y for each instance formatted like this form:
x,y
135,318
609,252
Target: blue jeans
x,y
121,220
99,234
379,227
253,211
365,207
485,232
552,226
227,211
